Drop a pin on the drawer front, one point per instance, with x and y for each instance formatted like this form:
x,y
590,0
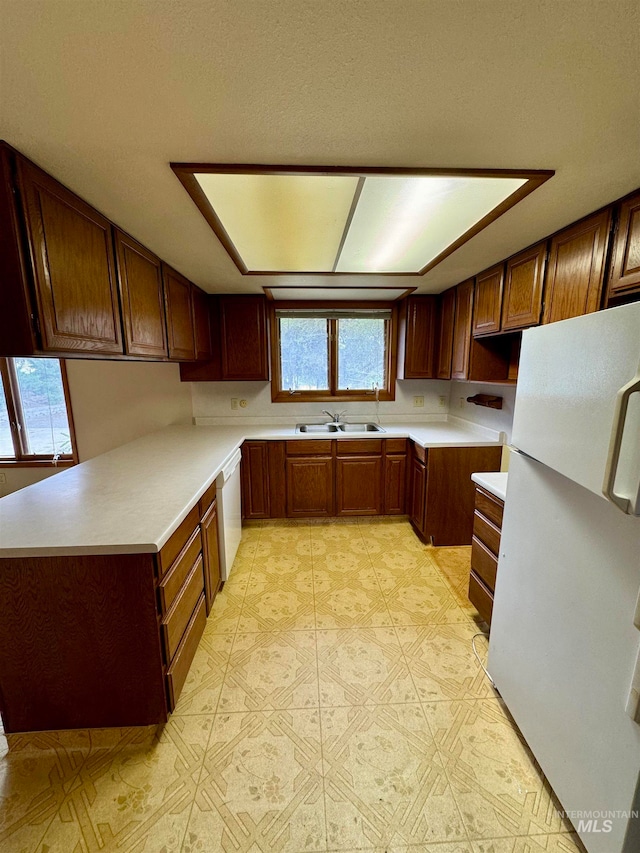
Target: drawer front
x,y
177,619
309,447
419,452
178,540
484,563
207,499
179,669
486,532
172,583
395,445
480,597
489,506
372,446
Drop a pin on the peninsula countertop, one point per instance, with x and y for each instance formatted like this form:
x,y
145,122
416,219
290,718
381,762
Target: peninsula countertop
x,y
131,499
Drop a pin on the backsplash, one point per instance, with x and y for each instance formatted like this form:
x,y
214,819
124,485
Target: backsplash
x,y
213,400
498,419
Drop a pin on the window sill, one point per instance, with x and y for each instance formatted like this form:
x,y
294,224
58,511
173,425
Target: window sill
x,y
307,397
36,463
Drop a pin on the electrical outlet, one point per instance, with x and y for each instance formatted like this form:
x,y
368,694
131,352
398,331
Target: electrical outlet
x,y
442,402
418,402
3,477
462,402
234,402
243,404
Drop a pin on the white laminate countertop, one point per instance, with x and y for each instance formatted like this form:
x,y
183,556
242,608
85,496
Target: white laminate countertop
x,y
131,499
494,482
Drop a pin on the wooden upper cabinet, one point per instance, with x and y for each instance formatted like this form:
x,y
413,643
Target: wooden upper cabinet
x,y
575,270
488,301
141,296
447,311
243,337
417,338
178,295
202,325
74,271
462,330
522,301
625,262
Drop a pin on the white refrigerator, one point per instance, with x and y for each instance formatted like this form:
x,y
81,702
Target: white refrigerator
x,y
565,633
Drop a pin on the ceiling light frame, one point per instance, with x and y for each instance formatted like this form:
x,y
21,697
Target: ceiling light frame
x,y
186,173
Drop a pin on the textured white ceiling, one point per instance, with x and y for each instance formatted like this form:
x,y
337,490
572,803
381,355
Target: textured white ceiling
x,y
105,94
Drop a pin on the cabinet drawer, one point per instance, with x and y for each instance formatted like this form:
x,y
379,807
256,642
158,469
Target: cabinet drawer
x,y
419,452
309,447
395,445
179,669
484,563
486,532
177,619
489,506
174,579
480,597
207,499
178,540
372,446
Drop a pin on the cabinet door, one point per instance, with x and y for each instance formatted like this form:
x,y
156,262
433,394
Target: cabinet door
x,y
522,302
625,263
202,325
418,494
462,330
450,492
211,554
359,485
419,338
141,296
575,271
179,308
488,301
243,343
445,338
255,479
395,478
74,268
309,486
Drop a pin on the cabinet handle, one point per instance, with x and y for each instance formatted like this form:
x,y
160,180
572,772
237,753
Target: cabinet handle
x,y
630,506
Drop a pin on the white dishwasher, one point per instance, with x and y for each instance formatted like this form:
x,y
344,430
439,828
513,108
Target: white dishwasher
x,y
229,513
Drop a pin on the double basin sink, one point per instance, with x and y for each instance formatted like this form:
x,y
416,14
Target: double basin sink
x,y
333,428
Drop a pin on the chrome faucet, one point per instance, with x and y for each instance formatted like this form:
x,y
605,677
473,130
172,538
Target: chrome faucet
x,y
335,416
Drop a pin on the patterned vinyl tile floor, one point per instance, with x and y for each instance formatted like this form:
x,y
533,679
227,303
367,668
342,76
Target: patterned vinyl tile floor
x,y
334,704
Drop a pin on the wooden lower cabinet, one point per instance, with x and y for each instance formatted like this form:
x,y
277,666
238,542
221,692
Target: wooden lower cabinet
x,y
309,486
93,641
485,548
417,510
255,480
395,483
359,485
211,554
442,493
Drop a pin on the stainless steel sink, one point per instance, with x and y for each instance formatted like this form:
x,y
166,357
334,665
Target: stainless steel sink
x,y
360,428
333,428
317,428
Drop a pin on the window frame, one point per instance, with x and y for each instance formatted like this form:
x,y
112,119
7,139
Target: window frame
x,y
20,459
283,395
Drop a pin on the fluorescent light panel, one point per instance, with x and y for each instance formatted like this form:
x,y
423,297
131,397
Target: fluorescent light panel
x,y
300,223
287,223
401,224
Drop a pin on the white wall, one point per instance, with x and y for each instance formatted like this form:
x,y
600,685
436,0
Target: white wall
x,y
114,402
212,400
499,419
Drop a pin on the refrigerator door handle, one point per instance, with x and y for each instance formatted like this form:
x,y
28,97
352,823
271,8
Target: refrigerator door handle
x,y
617,433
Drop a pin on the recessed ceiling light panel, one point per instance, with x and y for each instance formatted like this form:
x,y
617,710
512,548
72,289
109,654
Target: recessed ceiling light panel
x,y
331,221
